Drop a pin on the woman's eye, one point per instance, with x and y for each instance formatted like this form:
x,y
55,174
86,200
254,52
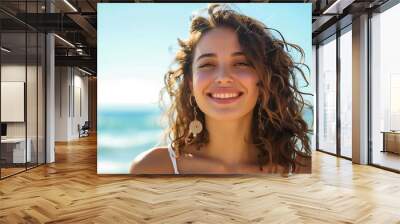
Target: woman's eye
x,y
242,64
206,65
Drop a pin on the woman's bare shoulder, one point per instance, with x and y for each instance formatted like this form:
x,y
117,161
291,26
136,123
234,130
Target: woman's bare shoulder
x,y
152,161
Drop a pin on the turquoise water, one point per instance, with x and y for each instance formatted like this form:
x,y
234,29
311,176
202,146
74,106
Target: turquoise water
x,y
123,133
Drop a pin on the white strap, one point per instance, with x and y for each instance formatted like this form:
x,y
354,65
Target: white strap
x,y
172,155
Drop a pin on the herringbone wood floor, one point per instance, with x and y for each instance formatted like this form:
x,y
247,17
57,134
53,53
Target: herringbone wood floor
x,y
70,191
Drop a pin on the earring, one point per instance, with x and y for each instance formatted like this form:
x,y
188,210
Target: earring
x,y
195,126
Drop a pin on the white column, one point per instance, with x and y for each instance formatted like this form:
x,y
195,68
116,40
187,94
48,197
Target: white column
x,y
50,92
360,90
50,100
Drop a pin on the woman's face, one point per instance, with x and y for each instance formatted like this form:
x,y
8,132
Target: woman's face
x,y
224,81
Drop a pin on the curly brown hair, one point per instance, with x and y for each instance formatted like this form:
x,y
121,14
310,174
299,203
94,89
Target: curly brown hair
x,y
278,129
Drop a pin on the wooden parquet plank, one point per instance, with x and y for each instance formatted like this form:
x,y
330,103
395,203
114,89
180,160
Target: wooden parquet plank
x,y
70,191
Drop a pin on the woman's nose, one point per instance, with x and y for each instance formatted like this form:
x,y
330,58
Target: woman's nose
x,y
223,76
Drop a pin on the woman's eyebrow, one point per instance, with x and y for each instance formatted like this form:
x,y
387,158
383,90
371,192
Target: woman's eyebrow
x,y
238,53
206,55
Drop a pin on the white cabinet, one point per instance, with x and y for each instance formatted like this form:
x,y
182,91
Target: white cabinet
x,y
18,145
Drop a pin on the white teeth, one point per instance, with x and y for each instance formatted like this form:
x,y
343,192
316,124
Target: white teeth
x,y
224,95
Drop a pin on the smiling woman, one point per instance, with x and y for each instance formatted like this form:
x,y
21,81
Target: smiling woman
x,y
235,105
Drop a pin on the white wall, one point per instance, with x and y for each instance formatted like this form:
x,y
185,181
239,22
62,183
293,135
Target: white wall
x,y
9,73
12,101
71,87
62,81
80,110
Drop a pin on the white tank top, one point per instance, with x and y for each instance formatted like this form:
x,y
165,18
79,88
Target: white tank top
x,y
172,155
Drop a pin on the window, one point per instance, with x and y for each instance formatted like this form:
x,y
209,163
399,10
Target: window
x,y
385,89
327,96
346,93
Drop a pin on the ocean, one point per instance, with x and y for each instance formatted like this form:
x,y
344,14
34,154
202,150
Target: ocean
x,y
123,133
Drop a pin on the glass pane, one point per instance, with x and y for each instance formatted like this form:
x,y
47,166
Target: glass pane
x,y
327,96
31,85
346,94
386,89
31,99
13,86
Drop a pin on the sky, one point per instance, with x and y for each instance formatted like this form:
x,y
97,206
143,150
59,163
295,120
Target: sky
x,y
137,43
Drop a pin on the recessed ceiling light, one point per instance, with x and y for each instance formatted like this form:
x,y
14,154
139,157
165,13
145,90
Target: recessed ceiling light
x,y
86,72
5,50
64,40
337,7
70,5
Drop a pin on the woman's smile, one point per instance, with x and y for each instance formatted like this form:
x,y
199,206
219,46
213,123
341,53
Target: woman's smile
x,y
225,95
